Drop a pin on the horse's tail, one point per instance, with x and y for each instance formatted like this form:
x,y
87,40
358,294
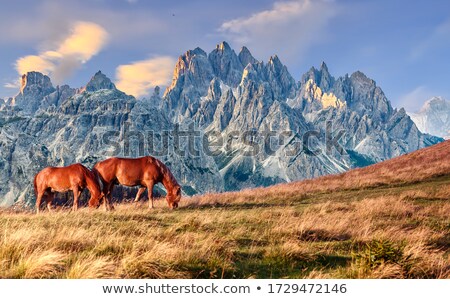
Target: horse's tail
x,y
35,185
98,177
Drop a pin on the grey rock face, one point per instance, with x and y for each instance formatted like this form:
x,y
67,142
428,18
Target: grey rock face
x,y
37,93
226,65
90,126
245,57
267,99
254,124
99,81
192,76
359,107
282,84
434,117
34,87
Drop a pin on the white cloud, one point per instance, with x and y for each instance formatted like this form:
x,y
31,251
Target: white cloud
x,y
438,38
414,100
139,77
13,85
84,41
289,28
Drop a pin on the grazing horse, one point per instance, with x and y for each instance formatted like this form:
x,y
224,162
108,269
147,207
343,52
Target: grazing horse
x,y
74,177
144,172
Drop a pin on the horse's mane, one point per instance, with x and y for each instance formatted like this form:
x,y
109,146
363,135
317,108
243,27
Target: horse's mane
x,y
91,175
166,172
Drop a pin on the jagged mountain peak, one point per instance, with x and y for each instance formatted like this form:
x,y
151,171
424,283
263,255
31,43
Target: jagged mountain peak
x,y
313,74
435,103
223,46
99,81
323,67
34,87
35,78
321,77
274,59
226,64
360,76
223,50
434,117
245,57
402,111
196,51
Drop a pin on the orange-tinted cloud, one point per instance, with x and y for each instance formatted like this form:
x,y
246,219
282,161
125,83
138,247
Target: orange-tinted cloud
x,y
84,41
34,63
139,77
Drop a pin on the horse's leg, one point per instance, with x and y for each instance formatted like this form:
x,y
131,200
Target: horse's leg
x,y
38,201
108,197
76,194
49,198
140,191
150,185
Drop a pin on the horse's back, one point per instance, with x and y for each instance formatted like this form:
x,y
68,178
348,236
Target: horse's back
x,y
64,175
129,171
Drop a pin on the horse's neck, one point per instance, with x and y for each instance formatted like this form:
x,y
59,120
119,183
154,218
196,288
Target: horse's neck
x,y
92,184
168,184
168,180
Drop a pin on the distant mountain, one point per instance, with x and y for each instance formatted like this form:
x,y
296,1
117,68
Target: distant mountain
x,y
434,117
227,92
252,124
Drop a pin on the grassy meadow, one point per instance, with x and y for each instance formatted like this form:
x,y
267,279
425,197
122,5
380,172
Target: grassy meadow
x,y
390,220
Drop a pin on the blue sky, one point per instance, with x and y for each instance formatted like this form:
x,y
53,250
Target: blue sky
x,y
403,45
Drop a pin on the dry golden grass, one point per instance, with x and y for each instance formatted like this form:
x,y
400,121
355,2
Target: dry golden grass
x,y
386,221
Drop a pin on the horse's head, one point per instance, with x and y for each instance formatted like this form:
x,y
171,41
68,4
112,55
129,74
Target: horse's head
x,y
173,197
95,187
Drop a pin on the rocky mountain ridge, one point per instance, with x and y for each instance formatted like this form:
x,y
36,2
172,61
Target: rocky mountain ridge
x,y
252,123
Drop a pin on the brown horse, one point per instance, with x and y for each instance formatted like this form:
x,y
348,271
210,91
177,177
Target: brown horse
x,y
74,177
144,172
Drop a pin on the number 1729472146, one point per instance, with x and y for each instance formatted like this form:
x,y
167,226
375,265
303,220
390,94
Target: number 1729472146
x,y
318,288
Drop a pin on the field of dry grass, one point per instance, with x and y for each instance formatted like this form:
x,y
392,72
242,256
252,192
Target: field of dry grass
x,y
390,220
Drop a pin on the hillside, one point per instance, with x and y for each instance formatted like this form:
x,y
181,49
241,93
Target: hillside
x,y
422,165
386,220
